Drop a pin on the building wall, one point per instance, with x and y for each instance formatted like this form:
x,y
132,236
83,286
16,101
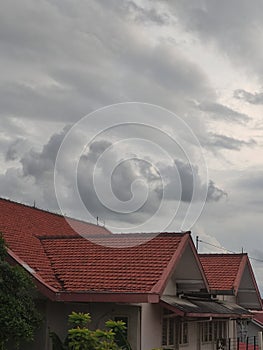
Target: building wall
x,y
170,288
151,319
253,329
229,298
193,336
56,320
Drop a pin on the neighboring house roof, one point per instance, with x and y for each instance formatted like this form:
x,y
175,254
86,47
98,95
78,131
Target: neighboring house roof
x,y
222,270
258,318
67,266
232,274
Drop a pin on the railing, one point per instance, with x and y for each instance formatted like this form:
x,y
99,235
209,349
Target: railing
x,y
250,343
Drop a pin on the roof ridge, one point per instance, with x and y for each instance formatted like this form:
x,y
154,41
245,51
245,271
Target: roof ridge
x,y
109,237
222,254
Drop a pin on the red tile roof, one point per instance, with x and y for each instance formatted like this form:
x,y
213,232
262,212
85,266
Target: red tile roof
x,y
21,226
68,263
81,265
222,270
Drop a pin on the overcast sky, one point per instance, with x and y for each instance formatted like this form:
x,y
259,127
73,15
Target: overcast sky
x,y
199,59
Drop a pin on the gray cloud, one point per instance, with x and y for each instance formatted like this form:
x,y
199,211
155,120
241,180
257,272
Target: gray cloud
x,y
219,111
151,14
40,165
253,98
234,26
76,79
252,180
14,149
217,141
37,168
215,193
190,181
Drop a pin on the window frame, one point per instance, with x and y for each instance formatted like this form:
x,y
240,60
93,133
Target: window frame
x,y
213,330
174,332
183,335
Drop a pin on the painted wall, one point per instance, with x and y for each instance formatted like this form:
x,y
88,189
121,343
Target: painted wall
x,y
247,294
56,316
151,316
170,288
193,337
185,279
229,298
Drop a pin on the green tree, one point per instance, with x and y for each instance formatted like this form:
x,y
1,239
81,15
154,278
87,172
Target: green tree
x,y
80,337
19,317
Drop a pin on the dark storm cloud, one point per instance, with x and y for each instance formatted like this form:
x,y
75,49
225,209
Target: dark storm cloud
x,y
217,141
37,169
220,111
40,164
190,181
124,175
253,98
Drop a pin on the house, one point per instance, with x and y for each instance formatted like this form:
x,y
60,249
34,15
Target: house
x,y
158,287
256,324
230,277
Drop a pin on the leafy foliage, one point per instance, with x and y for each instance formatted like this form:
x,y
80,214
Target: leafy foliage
x,y
18,315
80,337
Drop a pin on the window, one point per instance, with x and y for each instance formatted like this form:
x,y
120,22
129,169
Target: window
x,y
168,337
213,330
174,333
183,333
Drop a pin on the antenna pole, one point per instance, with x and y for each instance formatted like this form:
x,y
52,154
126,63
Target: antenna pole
x,y
197,241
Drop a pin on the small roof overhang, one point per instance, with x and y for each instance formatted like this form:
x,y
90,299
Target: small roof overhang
x,y
204,308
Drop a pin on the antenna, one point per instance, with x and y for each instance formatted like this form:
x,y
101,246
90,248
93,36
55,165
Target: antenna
x,y
197,241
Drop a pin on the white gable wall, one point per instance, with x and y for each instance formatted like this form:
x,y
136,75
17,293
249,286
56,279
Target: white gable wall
x,y
187,275
247,293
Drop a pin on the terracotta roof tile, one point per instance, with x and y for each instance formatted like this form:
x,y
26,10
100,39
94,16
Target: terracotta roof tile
x,y
68,262
258,317
82,265
221,269
21,226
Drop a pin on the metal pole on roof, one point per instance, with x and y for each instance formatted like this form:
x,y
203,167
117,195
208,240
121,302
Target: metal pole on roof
x,y
197,240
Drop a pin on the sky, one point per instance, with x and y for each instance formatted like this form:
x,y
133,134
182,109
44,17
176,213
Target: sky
x,y
145,114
